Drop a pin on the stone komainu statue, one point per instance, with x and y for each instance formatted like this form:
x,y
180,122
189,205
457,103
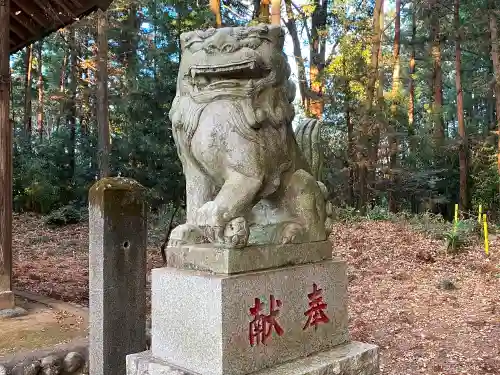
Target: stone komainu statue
x,y
249,178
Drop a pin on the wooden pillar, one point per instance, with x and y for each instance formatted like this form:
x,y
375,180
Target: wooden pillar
x,y
6,295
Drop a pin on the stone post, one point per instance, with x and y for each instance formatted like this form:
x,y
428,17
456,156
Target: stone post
x,y
117,277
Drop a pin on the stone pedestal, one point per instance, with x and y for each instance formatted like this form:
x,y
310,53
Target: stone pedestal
x,y
209,329
353,358
281,309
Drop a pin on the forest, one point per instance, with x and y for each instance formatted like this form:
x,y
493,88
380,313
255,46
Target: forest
x,y
408,92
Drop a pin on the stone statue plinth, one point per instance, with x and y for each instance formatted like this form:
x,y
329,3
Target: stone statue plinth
x,y
259,319
251,286
238,324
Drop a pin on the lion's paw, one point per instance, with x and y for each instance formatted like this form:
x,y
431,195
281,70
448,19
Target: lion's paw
x,y
292,233
215,234
211,215
186,234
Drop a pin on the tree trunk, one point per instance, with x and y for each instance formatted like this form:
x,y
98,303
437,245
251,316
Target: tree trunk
x,y
317,49
28,62
86,113
350,152
393,141
62,88
377,124
5,156
411,103
50,125
264,11
71,108
491,105
102,94
311,92
464,202
215,8
367,116
131,45
155,43
39,116
437,79
275,12
350,138
496,70
297,51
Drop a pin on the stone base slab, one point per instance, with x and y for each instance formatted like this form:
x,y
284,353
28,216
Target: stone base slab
x,y
237,324
12,313
209,258
6,300
354,358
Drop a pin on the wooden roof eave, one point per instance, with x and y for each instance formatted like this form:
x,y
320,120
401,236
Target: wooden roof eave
x,y
30,30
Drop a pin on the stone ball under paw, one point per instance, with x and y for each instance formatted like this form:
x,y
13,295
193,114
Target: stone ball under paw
x,y
73,361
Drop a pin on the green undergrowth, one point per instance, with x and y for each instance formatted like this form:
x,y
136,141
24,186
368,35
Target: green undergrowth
x,y
455,236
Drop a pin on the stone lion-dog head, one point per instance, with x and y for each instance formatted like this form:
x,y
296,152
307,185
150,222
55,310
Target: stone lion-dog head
x,y
236,62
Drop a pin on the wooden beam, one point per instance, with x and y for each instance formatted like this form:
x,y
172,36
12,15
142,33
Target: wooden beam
x,y
31,12
52,13
63,6
19,30
77,3
23,19
6,295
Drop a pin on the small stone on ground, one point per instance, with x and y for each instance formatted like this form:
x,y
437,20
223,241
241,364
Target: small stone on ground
x,y
12,313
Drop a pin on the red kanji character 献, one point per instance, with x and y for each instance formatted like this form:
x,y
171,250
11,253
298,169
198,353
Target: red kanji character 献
x,y
261,326
316,313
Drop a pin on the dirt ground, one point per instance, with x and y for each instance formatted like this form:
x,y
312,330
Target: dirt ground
x,y
430,313
41,327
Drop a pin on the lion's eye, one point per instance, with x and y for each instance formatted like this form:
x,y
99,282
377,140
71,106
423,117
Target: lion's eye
x,y
193,42
227,48
251,42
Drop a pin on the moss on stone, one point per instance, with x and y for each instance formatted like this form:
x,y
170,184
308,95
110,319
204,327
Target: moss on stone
x,y
117,196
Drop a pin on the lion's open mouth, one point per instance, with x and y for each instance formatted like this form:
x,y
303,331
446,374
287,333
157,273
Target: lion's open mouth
x,y
244,67
226,75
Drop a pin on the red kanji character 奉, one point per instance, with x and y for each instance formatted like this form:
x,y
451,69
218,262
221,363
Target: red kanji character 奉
x,y
316,313
261,326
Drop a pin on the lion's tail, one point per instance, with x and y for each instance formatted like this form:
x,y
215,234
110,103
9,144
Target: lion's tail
x,y
308,139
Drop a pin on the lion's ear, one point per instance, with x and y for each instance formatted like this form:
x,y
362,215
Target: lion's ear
x,y
291,90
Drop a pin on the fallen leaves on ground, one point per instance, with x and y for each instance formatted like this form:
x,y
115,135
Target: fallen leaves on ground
x,y
429,313
54,261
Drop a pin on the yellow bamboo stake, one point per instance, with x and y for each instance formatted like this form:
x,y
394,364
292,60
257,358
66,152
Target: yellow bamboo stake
x,y
480,215
456,218
486,243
